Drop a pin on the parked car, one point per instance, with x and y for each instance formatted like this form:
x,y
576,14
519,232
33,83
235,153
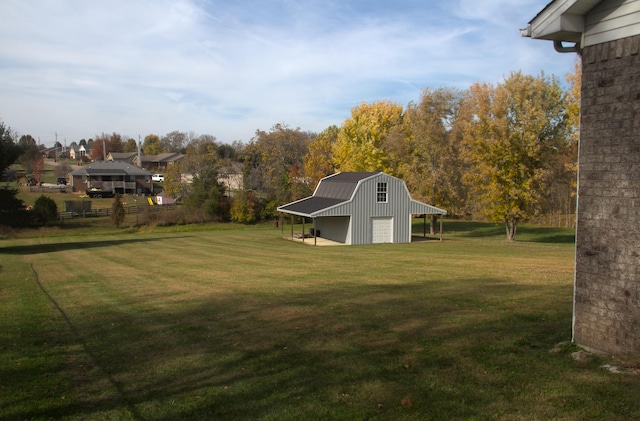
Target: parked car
x,y
61,180
98,193
158,177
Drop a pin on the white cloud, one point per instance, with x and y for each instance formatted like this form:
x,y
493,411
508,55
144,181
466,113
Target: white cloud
x,y
230,68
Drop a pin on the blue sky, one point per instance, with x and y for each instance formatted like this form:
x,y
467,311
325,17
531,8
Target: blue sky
x,y
229,68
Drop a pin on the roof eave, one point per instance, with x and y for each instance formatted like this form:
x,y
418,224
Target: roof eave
x,y
561,20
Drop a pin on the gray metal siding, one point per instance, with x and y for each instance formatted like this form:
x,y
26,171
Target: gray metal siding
x,y
334,228
612,20
365,206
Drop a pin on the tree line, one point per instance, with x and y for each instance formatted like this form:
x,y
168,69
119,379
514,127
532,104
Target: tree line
x,y
504,152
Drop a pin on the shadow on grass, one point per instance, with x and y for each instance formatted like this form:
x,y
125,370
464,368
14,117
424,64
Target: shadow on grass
x,y
65,246
350,352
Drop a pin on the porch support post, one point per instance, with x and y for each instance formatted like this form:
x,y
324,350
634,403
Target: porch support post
x,y
315,233
303,229
281,217
424,226
440,227
292,227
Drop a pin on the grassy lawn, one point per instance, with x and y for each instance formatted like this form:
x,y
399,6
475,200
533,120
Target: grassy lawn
x,y
241,324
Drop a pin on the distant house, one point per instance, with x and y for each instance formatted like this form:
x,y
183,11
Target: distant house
x,y
361,208
128,157
232,178
77,152
159,162
115,176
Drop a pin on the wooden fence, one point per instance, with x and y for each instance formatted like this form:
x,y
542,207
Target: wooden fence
x,y
102,212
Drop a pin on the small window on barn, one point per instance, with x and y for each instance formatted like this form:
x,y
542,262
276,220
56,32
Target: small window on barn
x,y
382,193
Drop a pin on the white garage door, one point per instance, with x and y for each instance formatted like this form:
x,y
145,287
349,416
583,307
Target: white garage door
x,y
382,230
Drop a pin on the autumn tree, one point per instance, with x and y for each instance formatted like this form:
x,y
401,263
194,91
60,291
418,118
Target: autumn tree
x,y
152,145
174,141
563,192
318,162
428,154
359,146
115,143
104,144
30,156
98,149
131,145
244,208
279,154
513,133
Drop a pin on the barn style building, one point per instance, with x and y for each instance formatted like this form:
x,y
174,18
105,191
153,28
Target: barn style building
x,y
361,208
606,33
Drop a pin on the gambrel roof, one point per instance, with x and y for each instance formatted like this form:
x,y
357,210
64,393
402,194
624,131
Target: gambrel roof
x,y
338,189
331,190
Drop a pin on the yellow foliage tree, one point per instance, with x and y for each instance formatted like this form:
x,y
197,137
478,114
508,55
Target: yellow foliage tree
x,y
318,162
359,146
513,135
152,145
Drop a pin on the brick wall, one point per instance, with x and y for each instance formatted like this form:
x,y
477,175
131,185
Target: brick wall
x,y
607,285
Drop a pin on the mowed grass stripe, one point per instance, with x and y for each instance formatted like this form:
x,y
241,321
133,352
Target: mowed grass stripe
x,y
245,325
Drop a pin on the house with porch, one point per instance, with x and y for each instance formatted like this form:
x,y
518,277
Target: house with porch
x,y
361,208
115,176
158,162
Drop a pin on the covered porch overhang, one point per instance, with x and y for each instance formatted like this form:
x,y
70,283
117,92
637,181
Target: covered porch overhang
x,y
304,216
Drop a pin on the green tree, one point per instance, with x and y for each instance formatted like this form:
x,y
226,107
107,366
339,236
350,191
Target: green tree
x,y
13,212
318,162
152,145
201,188
513,134
9,150
45,210
359,146
117,211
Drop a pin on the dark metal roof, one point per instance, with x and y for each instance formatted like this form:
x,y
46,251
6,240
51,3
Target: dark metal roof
x,y
310,205
334,189
341,185
110,168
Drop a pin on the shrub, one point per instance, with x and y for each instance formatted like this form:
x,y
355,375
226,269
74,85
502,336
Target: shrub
x,y
243,209
117,211
45,210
